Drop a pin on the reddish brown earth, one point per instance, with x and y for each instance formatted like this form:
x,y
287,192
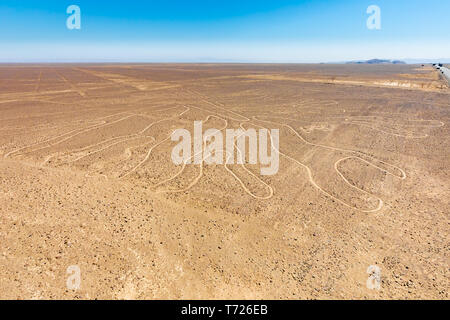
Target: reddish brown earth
x,y
86,179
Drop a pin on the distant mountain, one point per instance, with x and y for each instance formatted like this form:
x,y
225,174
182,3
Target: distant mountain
x,y
377,61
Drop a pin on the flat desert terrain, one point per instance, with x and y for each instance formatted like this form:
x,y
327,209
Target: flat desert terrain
x,y
86,180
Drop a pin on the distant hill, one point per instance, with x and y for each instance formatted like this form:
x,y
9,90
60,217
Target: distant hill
x,y
377,61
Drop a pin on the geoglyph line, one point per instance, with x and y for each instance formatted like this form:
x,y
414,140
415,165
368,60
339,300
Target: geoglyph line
x,y
74,88
125,137
81,132
99,125
235,117
38,83
310,176
201,166
311,179
153,147
351,120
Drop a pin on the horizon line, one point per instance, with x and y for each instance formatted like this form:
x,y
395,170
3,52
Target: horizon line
x,y
406,61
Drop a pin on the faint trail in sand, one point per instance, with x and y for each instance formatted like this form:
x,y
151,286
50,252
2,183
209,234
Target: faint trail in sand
x,y
46,127
128,154
360,121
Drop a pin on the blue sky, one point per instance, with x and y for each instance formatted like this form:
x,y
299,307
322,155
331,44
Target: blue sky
x,y
228,31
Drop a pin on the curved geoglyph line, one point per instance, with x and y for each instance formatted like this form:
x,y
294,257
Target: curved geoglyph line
x,y
72,134
310,176
187,161
99,125
403,176
312,181
309,171
232,115
123,138
76,134
195,181
120,138
228,157
154,146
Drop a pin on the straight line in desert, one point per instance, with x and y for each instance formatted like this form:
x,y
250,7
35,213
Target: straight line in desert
x,y
13,97
104,76
138,84
38,82
74,87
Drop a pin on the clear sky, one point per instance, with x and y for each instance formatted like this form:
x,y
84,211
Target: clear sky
x,y
227,31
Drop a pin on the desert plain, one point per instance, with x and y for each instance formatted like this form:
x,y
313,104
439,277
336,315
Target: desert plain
x,y
87,180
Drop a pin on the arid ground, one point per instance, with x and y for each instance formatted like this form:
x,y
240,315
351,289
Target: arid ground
x,y
86,179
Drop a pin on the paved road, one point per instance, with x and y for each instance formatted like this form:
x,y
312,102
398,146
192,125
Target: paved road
x,y
446,73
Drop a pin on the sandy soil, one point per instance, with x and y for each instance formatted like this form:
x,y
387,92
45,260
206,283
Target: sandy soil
x,y
86,179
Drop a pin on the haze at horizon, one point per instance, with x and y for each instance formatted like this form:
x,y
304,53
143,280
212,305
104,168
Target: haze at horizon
x,y
231,31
